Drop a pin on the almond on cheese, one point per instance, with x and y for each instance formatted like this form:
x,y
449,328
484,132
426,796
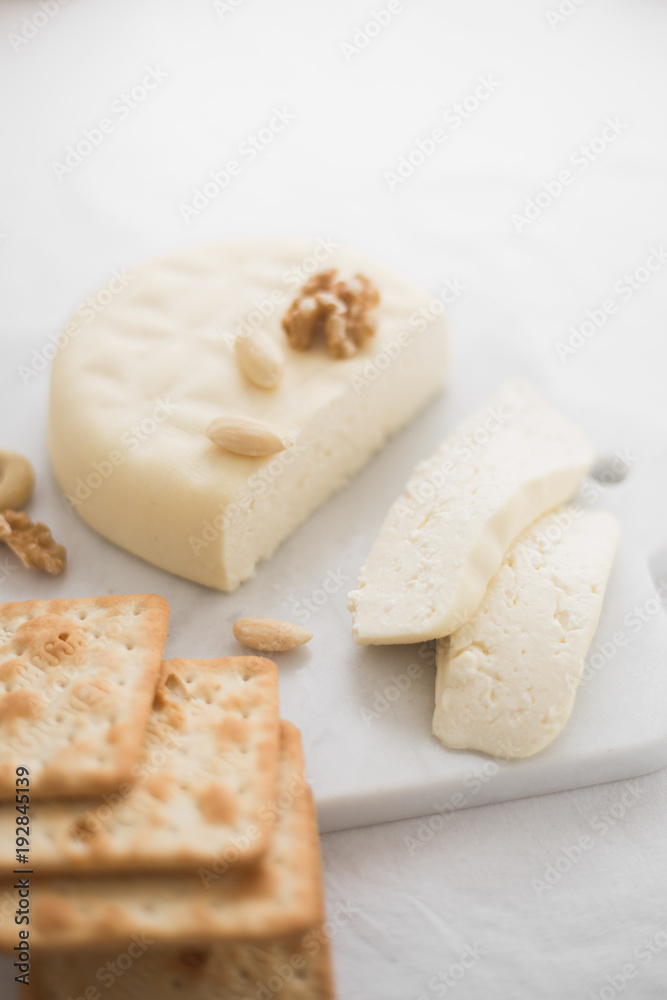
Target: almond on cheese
x,y
134,392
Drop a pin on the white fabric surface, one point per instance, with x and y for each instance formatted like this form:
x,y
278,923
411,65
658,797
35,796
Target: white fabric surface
x,y
227,66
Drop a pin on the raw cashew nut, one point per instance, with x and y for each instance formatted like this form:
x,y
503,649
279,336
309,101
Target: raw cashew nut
x,y
17,480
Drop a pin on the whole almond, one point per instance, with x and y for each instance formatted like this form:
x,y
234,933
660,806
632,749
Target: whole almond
x,y
244,436
17,480
260,359
270,635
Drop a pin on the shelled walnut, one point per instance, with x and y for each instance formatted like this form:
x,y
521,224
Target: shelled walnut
x,y
338,310
32,543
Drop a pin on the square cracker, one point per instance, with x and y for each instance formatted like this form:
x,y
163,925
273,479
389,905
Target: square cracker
x,y
294,969
279,894
77,680
209,766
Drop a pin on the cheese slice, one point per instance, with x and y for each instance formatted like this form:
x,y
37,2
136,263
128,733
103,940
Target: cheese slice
x,y
445,537
507,680
145,369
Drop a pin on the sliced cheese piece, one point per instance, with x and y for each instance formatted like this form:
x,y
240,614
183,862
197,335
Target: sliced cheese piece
x,y
507,680
135,388
445,537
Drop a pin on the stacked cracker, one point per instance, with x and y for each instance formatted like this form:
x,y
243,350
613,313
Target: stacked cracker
x,y
173,836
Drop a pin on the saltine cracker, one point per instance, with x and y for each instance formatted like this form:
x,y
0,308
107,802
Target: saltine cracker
x,y
279,895
209,765
77,681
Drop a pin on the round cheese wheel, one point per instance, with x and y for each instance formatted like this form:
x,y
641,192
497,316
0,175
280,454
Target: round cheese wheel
x,y
149,362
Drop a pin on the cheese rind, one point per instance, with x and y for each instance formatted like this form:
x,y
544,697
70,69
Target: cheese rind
x,y
134,390
507,680
446,536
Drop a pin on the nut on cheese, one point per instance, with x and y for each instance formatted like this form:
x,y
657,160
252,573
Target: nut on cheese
x,y
446,536
136,388
507,680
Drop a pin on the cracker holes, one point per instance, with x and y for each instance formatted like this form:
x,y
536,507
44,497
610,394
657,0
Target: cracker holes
x,y
194,958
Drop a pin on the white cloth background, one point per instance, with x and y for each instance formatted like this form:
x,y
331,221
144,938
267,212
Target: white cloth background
x,y
552,82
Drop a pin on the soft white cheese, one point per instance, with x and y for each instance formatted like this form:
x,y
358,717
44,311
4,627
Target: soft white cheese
x,y
507,680
135,388
444,539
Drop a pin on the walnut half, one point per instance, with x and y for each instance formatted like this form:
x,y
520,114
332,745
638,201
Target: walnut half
x,y
32,543
337,310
